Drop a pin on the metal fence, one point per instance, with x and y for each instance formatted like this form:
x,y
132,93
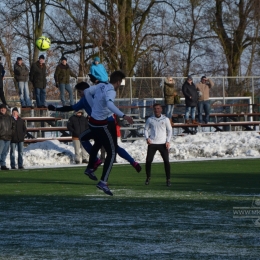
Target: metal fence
x,y
152,88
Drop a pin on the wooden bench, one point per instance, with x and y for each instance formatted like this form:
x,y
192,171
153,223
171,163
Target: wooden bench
x,y
61,139
41,119
247,125
47,129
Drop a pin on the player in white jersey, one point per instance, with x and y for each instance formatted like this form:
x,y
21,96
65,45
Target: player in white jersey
x,y
101,98
158,133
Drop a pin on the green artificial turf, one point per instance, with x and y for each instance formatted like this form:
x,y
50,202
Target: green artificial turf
x,y
208,176
60,214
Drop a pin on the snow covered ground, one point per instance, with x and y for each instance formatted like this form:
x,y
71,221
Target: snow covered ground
x,y
211,145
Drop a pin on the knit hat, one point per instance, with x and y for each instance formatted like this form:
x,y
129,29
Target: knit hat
x,y
79,111
41,57
15,109
97,59
63,58
3,106
189,77
19,58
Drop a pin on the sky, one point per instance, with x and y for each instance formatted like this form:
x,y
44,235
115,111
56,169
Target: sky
x,y
202,146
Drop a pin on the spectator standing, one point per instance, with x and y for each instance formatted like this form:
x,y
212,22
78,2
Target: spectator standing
x,y
158,133
77,124
191,99
2,76
97,71
62,76
204,104
17,139
6,133
38,78
169,93
21,73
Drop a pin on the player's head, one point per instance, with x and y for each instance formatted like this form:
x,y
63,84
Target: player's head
x,y
80,87
116,78
157,109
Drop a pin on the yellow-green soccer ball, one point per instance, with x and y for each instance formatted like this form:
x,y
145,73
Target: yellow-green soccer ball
x,y
43,43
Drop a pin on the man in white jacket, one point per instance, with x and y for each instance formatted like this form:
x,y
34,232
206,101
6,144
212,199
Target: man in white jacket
x,y
158,133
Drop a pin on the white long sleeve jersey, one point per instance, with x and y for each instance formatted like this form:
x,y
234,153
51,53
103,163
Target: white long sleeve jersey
x,y
158,129
101,99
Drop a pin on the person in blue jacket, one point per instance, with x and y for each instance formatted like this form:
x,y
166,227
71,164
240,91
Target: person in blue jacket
x,y
98,72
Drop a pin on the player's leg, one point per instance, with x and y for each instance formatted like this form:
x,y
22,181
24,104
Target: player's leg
x,y
84,140
121,151
151,150
108,143
165,155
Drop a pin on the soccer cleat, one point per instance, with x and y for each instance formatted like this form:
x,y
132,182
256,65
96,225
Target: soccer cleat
x,y
137,166
90,174
168,183
103,186
147,181
97,163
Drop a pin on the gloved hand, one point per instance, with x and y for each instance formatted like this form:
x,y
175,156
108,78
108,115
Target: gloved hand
x,y
51,107
57,85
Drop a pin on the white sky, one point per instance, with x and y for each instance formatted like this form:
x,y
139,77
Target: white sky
x,y
217,145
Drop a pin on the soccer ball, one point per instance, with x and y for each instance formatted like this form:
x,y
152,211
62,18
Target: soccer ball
x,y
43,43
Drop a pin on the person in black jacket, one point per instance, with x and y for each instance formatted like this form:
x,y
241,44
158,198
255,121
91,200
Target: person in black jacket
x,y
191,99
6,132
37,76
77,124
17,139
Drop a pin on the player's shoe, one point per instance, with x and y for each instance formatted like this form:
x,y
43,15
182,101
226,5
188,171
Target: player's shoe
x,y
147,181
90,174
137,166
168,183
97,163
103,186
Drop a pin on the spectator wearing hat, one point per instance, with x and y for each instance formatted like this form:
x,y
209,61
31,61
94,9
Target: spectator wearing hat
x,y
62,79
6,133
98,72
77,124
191,99
2,76
204,104
17,139
21,73
37,76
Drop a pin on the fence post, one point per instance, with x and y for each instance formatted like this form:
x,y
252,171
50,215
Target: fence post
x,y
131,91
224,101
253,90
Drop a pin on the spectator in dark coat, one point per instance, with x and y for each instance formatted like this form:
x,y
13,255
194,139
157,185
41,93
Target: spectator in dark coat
x,y
21,73
77,124
2,76
38,79
17,139
6,133
62,76
191,99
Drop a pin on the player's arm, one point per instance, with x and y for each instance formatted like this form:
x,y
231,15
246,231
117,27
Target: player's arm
x,y
146,131
79,105
111,106
110,97
169,133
